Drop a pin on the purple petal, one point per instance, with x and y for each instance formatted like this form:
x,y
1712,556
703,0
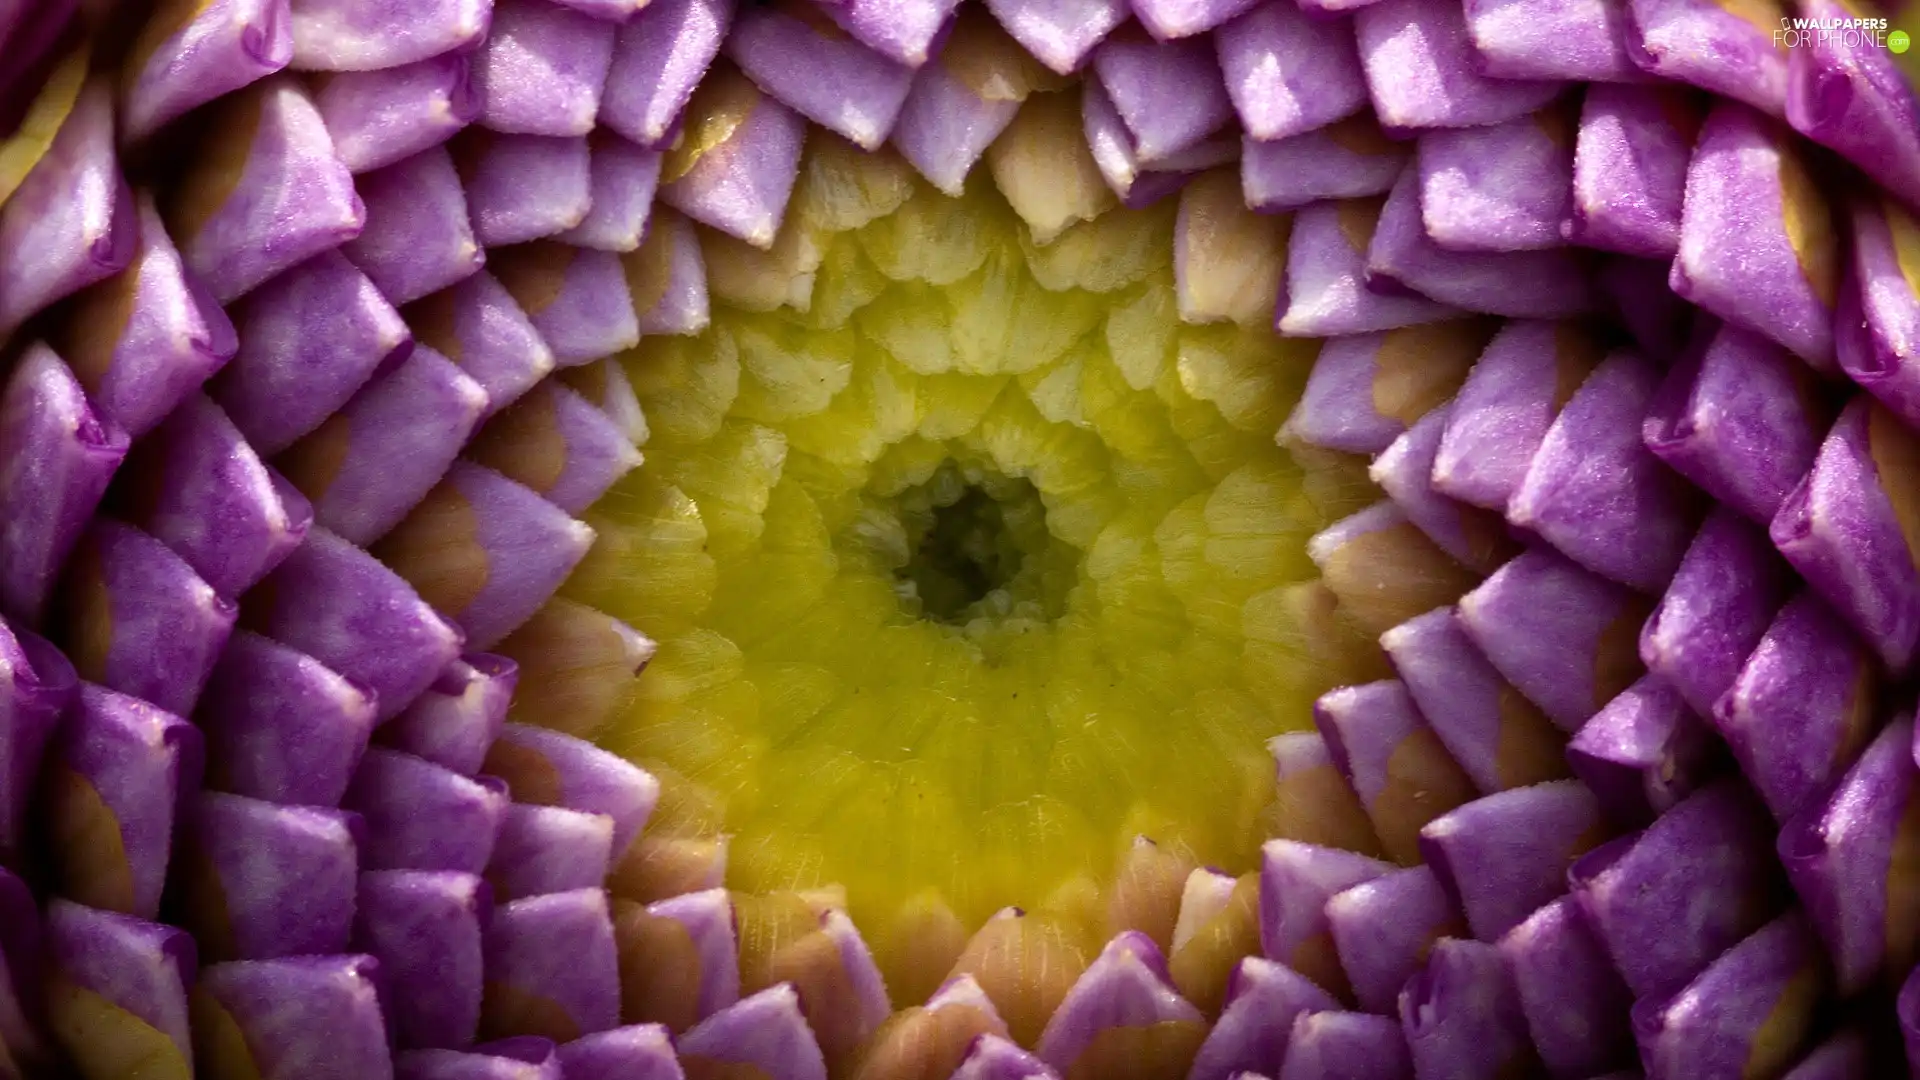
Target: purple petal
x,y
735,169
118,991
281,726
1422,70
347,35
1574,1002
478,325
551,769
1849,862
1506,854
1594,490
484,551
1502,413
266,191
1879,315
577,298
1578,40
1566,638
667,279
1727,590
1845,528
798,56
1740,419
338,604
115,776
1349,159
1757,244
137,619
623,179
1643,752
765,1031
1630,168
1346,1046
521,1058
378,118
1500,739
199,487
576,666
56,456
376,458
1506,187
1668,900
72,222
193,54
679,963
1751,1011
417,239
1326,292
142,341
308,340
456,720
1125,987
524,187
261,881
420,816
661,55
1169,94
1462,1015
541,69
1803,706
425,926
1296,881
962,99
1384,928
546,849
1846,92
1367,389
301,1018
1730,50
1059,33
1288,74
37,683
635,1052
1548,284
1396,764
1312,801
559,446
552,968
1254,1031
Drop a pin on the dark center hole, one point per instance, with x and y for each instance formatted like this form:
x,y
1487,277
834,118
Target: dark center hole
x,y
963,550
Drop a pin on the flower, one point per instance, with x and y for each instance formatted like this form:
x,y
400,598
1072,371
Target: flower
x,y
1213,538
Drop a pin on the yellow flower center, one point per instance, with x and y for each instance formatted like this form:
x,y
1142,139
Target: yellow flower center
x,y
967,558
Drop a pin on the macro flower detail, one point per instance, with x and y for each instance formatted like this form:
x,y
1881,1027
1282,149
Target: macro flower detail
x,y
1003,540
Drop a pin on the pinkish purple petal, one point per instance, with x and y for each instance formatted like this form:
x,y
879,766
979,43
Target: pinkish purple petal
x,y
280,725
378,118
420,816
115,775
259,880
425,927
372,461
142,341
137,619
308,340
300,1018
338,604
454,722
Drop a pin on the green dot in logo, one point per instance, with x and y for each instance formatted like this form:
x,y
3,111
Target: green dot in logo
x,y
1898,41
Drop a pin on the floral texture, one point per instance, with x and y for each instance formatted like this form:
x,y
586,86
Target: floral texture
x,y
952,540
